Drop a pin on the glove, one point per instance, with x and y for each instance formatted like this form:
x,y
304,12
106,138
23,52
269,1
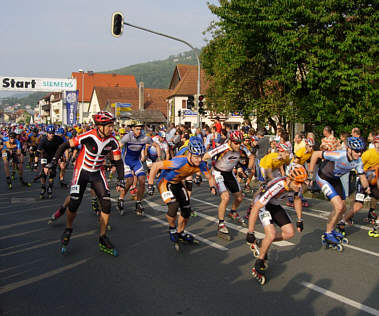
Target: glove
x,y
213,190
35,166
300,224
198,179
150,189
249,171
52,163
121,183
250,237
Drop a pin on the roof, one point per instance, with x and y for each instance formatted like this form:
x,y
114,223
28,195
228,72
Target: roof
x,y
92,80
187,76
147,116
154,99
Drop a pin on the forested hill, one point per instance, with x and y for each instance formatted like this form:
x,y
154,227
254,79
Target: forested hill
x,y
157,74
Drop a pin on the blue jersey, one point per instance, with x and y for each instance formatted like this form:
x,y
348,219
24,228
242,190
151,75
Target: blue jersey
x,y
182,152
337,164
132,146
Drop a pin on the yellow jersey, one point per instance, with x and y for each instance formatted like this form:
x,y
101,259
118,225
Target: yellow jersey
x,y
272,161
370,158
303,155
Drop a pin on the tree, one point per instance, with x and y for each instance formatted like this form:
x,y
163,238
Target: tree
x,y
311,61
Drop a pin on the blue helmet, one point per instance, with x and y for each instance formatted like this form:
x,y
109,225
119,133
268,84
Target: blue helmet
x,y
50,129
355,143
196,146
60,131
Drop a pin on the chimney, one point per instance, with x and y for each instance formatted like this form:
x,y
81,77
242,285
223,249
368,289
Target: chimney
x,y
141,99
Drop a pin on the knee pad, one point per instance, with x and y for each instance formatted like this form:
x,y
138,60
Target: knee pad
x,y
185,211
74,203
105,202
188,185
172,209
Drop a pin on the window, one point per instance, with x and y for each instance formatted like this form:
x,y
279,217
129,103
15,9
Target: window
x,y
184,104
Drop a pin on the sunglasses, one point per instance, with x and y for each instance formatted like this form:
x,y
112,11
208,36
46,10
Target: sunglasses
x,y
236,143
357,151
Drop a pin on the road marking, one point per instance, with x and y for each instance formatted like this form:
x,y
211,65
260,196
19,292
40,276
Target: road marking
x,y
15,285
282,243
91,232
341,298
23,233
25,210
158,207
10,192
206,241
23,223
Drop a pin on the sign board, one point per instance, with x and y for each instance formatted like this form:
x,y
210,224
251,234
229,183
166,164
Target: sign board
x,y
32,84
189,112
71,100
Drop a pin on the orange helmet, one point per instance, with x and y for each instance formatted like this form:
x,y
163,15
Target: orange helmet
x,y
298,173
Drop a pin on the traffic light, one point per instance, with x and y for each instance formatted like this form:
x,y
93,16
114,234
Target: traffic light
x,y
117,24
201,105
190,102
179,113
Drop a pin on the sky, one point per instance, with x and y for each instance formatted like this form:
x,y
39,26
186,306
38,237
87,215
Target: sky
x,y
52,39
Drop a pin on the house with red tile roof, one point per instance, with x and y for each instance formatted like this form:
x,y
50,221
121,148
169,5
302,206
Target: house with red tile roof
x,y
87,81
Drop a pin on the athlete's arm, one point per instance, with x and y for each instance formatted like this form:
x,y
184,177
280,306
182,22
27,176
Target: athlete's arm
x,y
364,182
158,148
315,156
254,215
299,211
155,167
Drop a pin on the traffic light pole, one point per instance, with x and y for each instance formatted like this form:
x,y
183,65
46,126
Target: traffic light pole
x,y
183,41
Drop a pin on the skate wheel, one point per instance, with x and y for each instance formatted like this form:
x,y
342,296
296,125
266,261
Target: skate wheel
x,y
372,233
49,221
345,241
64,250
262,280
253,273
115,252
109,227
339,247
177,247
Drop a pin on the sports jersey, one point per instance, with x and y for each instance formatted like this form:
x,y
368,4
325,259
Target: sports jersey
x,y
275,192
370,158
12,147
226,158
34,140
163,145
179,168
94,150
272,161
49,147
303,155
337,164
132,146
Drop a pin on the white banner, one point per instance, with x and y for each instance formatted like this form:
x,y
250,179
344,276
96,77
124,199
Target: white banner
x,y
36,84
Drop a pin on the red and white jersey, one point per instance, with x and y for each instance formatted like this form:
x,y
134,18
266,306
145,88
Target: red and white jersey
x,y
226,158
275,192
94,150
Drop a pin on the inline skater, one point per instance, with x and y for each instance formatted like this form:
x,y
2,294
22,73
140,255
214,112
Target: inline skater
x,y
267,206
272,165
370,159
63,160
11,152
133,143
336,164
227,157
171,188
89,168
47,148
33,142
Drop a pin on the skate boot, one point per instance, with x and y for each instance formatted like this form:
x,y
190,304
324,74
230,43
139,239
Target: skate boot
x,y
13,175
340,237
24,183
174,237
65,239
9,183
328,240
139,208
236,218
289,204
305,203
223,232
49,192
95,207
375,230
106,246
42,193
341,228
187,238
120,207
59,212
246,217
193,213
258,271
372,217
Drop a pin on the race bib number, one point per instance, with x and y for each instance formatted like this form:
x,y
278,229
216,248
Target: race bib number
x,y
4,155
218,177
167,195
75,189
265,217
126,169
43,161
326,190
360,197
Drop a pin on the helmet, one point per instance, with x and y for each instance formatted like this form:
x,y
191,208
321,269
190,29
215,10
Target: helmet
x,y
282,147
309,142
297,173
254,138
50,129
376,139
236,136
196,146
12,135
18,131
355,143
122,131
60,130
246,136
135,123
162,134
103,118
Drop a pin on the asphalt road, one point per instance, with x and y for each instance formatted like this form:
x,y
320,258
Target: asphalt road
x,y
151,278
